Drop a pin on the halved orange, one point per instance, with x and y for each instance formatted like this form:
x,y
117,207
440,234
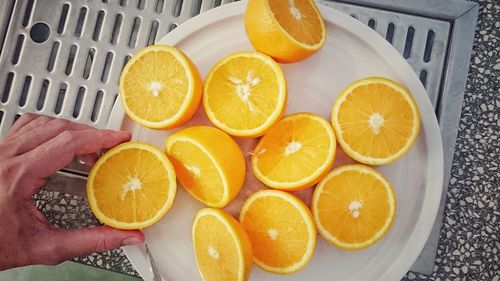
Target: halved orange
x,y
281,230
160,87
287,30
209,164
376,120
244,94
222,248
131,186
354,206
296,153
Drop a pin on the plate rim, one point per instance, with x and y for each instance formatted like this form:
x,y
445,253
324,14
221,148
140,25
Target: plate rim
x,y
431,130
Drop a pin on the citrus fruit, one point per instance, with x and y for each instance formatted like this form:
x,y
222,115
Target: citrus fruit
x,y
160,88
244,94
287,30
296,153
353,206
209,164
131,186
376,120
281,230
222,248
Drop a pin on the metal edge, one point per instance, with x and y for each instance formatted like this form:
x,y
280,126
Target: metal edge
x,y
65,182
453,89
449,10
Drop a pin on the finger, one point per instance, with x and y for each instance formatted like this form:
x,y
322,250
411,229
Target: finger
x,y
42,119
67,244
28,140
25,119
60,151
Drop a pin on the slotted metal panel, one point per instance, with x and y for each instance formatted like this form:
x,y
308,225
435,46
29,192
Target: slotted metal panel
x,y
64,58
421,40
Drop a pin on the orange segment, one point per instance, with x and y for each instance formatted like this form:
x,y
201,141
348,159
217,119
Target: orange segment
x,y
296,153
376,120
160,87
281,231
354,207
131,186
222,247
244,94
286,30
209,164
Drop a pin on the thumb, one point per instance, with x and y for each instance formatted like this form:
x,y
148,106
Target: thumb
x,y
80,242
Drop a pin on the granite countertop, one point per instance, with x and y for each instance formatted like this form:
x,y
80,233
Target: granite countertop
x,y
469,244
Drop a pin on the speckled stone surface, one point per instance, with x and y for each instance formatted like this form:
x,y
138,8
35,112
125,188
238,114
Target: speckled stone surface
x,y
71,211
469,242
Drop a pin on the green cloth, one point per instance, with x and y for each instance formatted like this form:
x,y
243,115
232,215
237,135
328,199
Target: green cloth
x,y
67,271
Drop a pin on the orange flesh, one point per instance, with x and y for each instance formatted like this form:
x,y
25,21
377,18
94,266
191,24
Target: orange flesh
x,y
354,115
188,159
307,29
339,192
225,103
135,205
314,150
267,213
165,69
210,232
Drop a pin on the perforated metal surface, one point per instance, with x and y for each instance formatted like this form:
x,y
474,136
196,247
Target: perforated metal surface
x,y
64,58
421,40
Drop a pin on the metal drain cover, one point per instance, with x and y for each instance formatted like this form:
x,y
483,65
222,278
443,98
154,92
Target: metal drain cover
x,y
64,58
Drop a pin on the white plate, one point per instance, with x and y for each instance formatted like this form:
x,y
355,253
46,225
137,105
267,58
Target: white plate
x,y
352,51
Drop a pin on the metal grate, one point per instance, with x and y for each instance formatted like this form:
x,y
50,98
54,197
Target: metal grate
x,y
421,40
64,58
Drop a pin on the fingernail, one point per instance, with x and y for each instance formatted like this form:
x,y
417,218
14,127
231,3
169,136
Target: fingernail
x,y
131,241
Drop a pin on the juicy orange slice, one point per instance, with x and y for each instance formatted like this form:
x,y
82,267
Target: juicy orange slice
x,y
281,230
376,120
244,94
160,88
287,30
296,153
354,207
131,186
209,164
222,247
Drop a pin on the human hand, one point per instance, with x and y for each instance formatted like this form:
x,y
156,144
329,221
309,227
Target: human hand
x,y
35,148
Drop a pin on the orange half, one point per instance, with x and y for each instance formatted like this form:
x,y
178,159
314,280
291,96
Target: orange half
x,y
245,94
296,153
376,120
160,88
354,207
281,230
131,186
222,248
286,30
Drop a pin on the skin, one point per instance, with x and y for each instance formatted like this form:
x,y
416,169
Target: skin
x,y
35,148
